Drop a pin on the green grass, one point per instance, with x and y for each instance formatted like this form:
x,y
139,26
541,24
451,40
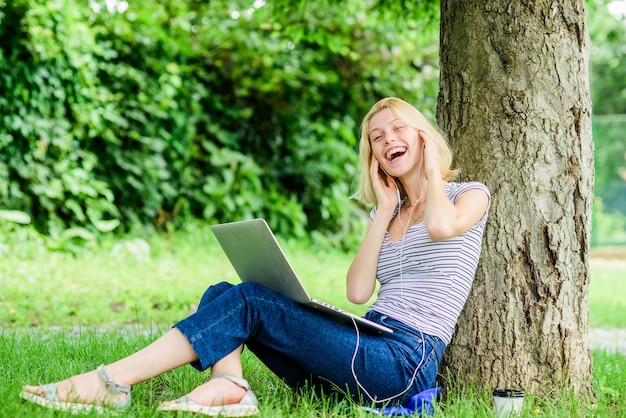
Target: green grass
x,y
123,300
607,294
31,356
114,283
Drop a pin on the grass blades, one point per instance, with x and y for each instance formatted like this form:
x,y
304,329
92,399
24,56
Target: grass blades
x,y
63,314
607,293
36,356
133,281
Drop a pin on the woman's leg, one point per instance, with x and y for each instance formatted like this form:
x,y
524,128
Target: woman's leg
x,y
301,345
219,391
296,342
166,353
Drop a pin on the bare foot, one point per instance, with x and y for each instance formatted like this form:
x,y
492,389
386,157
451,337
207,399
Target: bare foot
x,y
87,388
217,392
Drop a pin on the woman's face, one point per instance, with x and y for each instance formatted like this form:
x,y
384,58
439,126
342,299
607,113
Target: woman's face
x,y
394,143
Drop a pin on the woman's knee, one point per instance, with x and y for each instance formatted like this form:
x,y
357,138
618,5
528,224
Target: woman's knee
x,y
245,290
213,292
250,291
252,287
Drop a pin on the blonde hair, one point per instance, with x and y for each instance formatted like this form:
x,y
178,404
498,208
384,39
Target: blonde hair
x,y
413,118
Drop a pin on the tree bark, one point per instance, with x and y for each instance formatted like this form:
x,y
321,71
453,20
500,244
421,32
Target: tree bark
x,y
515,102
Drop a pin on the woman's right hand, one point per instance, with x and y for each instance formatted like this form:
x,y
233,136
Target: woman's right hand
x,y
361,279
386,190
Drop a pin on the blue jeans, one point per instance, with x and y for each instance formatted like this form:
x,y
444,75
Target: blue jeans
x,y
303,346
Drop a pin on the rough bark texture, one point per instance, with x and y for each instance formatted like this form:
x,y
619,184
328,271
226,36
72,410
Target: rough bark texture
x,y
515,102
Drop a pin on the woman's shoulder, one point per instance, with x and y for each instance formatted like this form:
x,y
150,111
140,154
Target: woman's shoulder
x,y
457,188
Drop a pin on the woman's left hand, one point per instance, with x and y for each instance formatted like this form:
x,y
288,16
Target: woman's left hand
x,y
432,159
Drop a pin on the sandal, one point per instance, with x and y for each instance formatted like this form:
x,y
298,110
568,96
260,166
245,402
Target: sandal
x,y
248,405
50,398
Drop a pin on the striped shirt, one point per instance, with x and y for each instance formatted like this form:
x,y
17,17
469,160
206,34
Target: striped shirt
x,y
424,283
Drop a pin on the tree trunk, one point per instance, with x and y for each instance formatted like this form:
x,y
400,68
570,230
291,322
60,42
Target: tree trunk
x,y
514,100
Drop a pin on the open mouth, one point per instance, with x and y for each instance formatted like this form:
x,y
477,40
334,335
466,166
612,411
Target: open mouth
x,y
395,152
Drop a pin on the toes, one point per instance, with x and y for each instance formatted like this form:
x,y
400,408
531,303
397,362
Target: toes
x,y
35,390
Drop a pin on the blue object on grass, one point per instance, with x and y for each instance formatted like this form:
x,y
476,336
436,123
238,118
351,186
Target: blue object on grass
x,y
419,405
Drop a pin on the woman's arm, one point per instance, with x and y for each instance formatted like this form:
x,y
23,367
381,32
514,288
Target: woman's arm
x,y
361,278
444,219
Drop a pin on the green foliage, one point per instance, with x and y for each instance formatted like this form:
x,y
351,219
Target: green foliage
x,y
16,216
609,137
608,59
45,85
223,110
608,88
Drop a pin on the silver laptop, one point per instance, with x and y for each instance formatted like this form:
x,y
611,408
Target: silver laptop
x,y
256,256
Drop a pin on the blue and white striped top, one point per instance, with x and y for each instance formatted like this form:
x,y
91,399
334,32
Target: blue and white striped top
x,y
424,283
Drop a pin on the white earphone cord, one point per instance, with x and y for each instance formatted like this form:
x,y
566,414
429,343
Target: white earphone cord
x,y
358,336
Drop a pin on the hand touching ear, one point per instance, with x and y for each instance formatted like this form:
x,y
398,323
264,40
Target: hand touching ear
x,y
432,159
384,186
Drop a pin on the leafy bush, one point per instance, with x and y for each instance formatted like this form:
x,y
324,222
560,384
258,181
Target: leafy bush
x,y
175,109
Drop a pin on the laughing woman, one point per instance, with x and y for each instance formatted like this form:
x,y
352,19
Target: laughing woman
x,y
422,245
